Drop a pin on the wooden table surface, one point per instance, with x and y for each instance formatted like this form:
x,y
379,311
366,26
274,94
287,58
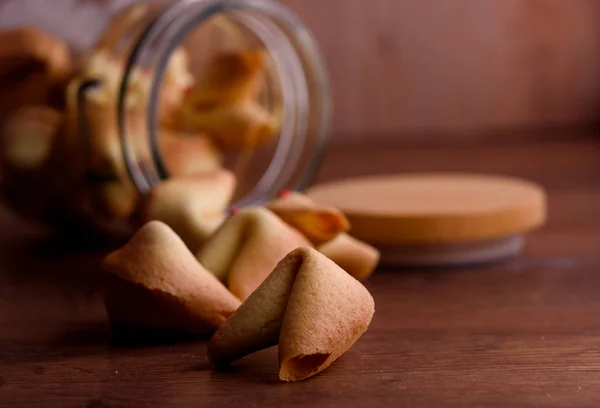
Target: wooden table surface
x,y
522,333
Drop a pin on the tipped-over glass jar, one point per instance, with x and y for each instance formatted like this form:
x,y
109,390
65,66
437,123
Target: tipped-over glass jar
x,y
172,89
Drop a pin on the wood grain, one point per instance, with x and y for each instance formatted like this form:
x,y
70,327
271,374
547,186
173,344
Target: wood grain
x,y
416,67
521,333
409,68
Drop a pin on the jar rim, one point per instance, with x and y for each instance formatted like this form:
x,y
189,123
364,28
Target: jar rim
x,y
191,14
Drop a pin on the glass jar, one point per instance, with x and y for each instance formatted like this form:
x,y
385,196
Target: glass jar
x,y
137,114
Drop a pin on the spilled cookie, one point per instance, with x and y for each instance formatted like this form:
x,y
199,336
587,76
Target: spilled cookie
x,y
326,227
319,223
155,284
309,306
246,248
354,256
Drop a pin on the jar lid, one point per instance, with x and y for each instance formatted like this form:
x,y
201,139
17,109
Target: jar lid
x,y
435,208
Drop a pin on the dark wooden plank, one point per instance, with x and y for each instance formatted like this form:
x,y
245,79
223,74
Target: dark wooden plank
x,y
522,333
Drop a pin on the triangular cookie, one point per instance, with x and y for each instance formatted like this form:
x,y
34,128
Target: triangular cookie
x,y
185,154
319,223
155,283
239,126
229,79
257,323
309,305
246,248
327,312
192,206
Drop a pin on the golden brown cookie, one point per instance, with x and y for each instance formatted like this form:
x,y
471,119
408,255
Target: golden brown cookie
x,y
26,142
246,248
239,126
223,102
33,64
188,154
357,258
229,79
319,223
110,68
155,283
28,135
193,206
93,126
312,308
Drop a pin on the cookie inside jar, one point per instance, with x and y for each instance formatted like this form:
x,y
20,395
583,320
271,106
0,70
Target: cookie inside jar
x,y
175,90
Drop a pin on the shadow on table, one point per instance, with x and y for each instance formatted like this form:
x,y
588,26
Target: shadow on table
x,y
42,262
260,368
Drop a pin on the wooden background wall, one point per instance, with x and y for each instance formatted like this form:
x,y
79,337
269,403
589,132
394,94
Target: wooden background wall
x,y
416,67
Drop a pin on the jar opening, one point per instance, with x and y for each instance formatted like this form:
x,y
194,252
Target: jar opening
x,y
295,91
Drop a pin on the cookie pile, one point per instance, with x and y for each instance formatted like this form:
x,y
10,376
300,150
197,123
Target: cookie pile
x,y
268,276
285,274
60,145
